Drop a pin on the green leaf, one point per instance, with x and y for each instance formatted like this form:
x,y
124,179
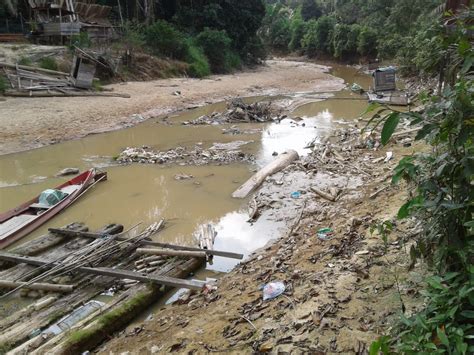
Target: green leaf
x,y
389,127
404,211
442,336
468,314
372,107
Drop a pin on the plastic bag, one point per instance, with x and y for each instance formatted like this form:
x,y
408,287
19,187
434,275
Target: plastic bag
x,y
51,197
273,289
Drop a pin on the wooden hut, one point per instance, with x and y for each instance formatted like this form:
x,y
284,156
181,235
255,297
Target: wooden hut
x,y
82,71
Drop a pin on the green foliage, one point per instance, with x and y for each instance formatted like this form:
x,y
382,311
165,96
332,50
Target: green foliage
x,y
317,39
254,51
384,229
164,39
25,61
80,40
217,47
3,84
367,41
310,10
344,40
297,30
442,197
48,63
446,325
133,37
199,65
280,34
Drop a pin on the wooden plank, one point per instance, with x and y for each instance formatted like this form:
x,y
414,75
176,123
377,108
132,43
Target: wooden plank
x,y
34,69
155,251
281,162
37,286
225,254
125,274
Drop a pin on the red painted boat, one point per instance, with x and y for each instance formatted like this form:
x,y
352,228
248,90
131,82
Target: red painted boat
x,y
22,220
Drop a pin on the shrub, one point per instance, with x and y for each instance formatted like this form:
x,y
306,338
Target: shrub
x,y
344,40
133,36
48,63
297,29
80,40
3,84
217,47
317,38
25,61
254,51
280,35
199,65
164,39
367,41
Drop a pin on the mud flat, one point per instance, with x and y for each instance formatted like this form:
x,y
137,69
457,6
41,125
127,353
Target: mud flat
x,y
344,284
52,120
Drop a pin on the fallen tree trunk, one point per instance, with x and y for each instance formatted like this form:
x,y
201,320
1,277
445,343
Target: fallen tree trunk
x,y
256,180
37,286
154,251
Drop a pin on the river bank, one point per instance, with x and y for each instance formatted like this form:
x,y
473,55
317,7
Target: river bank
x,y
53,120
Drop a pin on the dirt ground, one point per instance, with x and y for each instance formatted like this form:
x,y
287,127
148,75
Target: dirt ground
x,y
342,291
27,123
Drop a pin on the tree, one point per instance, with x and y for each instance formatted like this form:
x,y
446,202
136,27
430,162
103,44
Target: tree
x,y
310,10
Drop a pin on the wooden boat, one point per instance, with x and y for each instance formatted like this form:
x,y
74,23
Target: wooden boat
x,y
22,220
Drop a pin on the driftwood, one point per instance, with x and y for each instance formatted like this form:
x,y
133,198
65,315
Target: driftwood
x,y
154,251
162,280
323,194
37,286
281,162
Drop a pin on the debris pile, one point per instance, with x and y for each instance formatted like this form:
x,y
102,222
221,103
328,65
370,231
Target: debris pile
x,y
184,156
27,81
239,112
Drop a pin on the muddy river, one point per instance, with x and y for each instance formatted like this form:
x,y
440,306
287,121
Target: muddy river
x,y
146,193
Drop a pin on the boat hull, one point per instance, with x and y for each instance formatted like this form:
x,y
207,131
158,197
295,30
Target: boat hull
x,y
84,180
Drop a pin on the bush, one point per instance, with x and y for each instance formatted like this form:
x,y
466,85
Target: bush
x,y
344,40
297,30
254,51
164,39
25,61
318,37
367,42
199,65
280,35
217,47
48,63
3,84
133,36
80,40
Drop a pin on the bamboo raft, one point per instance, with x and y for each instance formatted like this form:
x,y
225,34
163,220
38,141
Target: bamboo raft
x,y
67,268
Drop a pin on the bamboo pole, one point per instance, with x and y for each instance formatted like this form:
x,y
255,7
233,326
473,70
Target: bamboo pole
x,y
33,69
37,286
156,251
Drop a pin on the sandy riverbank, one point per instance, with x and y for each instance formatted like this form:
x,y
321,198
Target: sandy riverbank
x,y
27,123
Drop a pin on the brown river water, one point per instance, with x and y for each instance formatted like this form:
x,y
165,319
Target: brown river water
x,y
146,193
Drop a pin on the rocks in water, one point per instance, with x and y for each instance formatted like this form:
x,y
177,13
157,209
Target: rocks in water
x,y
68,171
184,156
